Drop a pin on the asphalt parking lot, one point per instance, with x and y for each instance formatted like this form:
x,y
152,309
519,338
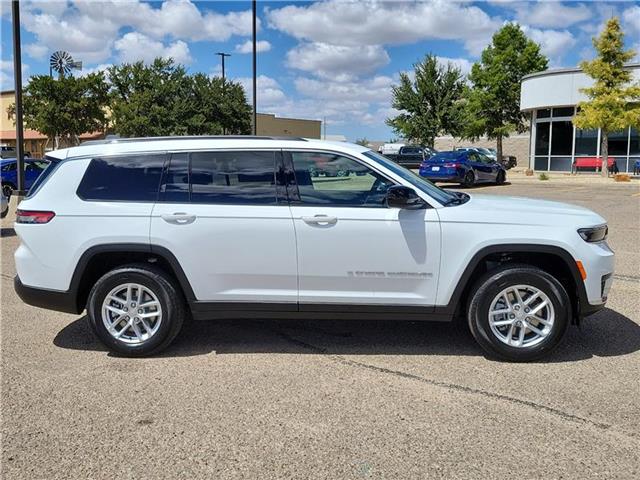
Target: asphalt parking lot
x,y
328,399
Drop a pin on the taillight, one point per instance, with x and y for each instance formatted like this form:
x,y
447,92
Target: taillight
x,y
451,165
33,216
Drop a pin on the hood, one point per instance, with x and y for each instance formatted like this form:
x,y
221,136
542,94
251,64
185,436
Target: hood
x,y
498,209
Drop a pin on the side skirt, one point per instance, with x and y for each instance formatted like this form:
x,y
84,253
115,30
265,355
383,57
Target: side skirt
x,y
232,310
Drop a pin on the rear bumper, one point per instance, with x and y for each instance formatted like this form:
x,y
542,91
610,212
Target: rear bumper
x,y
441,178
61,301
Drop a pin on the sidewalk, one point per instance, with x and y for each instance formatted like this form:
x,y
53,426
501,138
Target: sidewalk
x,y
518,176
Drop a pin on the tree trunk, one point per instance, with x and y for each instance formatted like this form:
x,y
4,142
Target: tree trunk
x,y
604,152
499,148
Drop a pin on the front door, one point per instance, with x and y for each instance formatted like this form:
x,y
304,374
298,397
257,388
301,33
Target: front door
x,y
223,216
352,249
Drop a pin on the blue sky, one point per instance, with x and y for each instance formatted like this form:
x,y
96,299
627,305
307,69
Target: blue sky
x,y
334,59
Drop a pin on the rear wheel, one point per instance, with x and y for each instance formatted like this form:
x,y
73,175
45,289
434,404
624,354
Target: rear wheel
x,y
469,179
136,310
519,313
7,190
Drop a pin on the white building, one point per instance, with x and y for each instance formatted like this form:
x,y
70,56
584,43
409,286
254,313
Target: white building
x,y
551,97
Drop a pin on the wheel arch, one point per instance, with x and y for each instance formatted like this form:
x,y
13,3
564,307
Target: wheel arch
x,y
99,259
553,259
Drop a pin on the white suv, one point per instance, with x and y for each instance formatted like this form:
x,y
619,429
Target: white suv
x,y
143,233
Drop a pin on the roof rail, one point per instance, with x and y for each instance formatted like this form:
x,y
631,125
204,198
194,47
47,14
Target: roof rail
x,y
189,137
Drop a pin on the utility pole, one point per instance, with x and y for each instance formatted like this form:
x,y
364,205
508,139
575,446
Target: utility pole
x,y
17,74
255,89
222,55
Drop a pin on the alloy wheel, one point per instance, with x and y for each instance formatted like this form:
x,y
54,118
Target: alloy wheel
x,y
131,313
521,316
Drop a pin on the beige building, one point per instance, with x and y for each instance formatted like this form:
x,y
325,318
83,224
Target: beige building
x,y
269,124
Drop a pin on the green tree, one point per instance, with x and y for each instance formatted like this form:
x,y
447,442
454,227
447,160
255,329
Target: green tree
x,y
493,101
613,101
362,141
430,104
65,108
162,99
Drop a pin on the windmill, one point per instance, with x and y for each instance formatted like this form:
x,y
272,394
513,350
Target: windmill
x,y
62,62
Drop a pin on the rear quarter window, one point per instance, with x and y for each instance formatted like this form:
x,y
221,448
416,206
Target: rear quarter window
x,y
130,178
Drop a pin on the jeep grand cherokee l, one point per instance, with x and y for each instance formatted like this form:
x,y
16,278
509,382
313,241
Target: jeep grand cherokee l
x,y
143,233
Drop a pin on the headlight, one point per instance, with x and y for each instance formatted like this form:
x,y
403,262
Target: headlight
x,y
594,234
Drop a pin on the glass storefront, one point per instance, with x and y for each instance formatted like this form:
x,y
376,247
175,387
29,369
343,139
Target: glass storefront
x,y
556,143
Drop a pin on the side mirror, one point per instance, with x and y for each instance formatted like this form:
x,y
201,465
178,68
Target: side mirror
x,y
399,196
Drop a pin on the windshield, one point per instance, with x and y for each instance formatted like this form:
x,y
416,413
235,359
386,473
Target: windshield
x,y
441,196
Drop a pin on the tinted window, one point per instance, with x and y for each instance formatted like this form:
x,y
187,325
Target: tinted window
x,y
50,164
9,167
175,183
132,178
334,180
233,178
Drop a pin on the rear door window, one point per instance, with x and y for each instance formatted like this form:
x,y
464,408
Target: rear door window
x,y
130,178
222,178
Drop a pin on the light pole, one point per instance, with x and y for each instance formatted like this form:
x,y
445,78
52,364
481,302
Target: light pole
x,y
222,55
17,73
255,102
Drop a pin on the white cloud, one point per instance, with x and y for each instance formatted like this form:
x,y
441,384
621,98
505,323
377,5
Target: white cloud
x,y
376,23
89,30
553,43
337,61
462,63
374,90
35,50
247,47
6,74
269,91
134,46
631,19
552,14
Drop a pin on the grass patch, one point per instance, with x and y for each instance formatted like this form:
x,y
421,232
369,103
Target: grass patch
x,y
543,176
622,177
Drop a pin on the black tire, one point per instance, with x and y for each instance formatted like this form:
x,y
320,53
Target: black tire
x,y
7,189
164,288
494,282
501,177
469,179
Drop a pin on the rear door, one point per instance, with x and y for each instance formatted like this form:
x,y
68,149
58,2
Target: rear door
x,y
225,217
352,249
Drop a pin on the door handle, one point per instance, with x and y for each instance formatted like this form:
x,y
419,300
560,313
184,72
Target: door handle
x,y
179,218
320,220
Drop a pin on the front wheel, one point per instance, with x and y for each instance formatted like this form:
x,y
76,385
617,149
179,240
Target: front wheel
x,y
136,310
519,313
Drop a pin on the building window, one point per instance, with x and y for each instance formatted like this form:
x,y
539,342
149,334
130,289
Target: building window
x,y
634,142
586,143
563,112
542,138
618,142
561,138
544,113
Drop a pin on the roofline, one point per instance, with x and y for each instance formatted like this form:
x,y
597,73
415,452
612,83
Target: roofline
x,y
560,71
189,137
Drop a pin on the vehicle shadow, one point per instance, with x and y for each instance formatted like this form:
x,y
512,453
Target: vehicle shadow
x,y
606,334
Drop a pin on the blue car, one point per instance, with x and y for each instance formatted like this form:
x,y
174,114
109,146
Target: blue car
x,y
9,175
464,167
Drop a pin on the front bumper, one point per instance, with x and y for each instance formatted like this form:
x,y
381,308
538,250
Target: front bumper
x,y
61,301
